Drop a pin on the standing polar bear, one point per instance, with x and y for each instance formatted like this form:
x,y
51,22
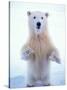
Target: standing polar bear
x,y
39,50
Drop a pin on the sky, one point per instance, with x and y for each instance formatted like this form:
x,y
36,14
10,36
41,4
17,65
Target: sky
x,y
19,33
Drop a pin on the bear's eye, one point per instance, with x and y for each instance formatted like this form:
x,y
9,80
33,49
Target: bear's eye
x,y
34,17
41,17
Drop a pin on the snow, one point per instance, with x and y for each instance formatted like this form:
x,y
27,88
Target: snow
x,y
57,73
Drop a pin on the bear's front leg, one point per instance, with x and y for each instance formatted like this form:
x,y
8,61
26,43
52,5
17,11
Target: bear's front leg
x,y
55,56
26,53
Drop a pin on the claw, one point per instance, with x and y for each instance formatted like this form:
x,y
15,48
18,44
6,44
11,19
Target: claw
x,y
25,54
30,85
54,57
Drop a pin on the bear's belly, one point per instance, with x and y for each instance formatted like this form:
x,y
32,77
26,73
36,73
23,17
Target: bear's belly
x,y
39,68
41,49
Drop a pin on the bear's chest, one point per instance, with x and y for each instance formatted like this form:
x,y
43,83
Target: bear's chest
x,y
40,47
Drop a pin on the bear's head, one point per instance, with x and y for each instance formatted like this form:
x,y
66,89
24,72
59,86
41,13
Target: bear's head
x,y
37,21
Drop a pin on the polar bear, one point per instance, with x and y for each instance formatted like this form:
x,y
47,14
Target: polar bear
x,y
39,49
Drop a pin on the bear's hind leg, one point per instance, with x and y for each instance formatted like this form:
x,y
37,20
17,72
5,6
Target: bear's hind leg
x,y
31,82
45,81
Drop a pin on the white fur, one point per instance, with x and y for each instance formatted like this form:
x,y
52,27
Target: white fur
x,y
38,67
38,70
32,21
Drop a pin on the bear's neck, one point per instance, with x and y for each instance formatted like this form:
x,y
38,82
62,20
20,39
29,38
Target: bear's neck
x,y
42,35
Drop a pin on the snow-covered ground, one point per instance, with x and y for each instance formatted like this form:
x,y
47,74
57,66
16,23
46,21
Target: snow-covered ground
x,y
57,74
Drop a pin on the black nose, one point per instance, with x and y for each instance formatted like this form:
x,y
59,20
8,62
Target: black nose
x,y
38,24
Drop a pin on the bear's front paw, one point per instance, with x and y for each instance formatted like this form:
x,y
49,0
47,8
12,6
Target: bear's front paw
x,y
55,57
26,53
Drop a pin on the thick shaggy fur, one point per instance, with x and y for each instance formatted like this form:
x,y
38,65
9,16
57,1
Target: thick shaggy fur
x,y
41,45
38,62
38,59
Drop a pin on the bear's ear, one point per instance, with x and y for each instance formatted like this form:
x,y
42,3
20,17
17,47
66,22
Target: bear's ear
x,y
46,14
28,13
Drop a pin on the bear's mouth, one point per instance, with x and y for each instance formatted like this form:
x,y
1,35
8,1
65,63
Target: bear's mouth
x,y
38,27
